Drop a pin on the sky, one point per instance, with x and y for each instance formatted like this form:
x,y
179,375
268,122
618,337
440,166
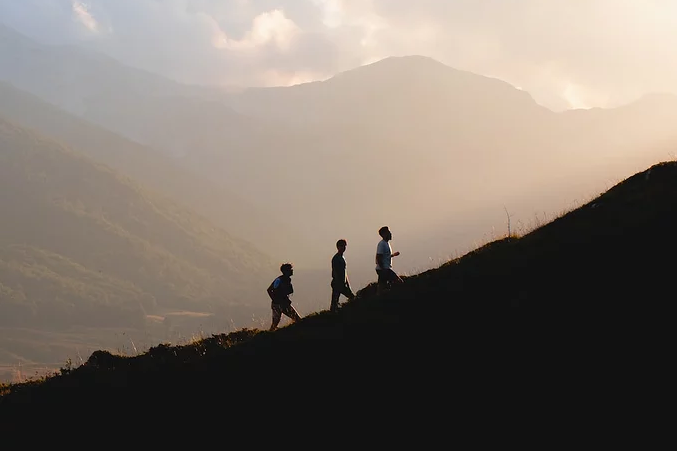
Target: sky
x,y
565,53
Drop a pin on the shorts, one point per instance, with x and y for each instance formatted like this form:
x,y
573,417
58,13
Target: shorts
x,y
287,309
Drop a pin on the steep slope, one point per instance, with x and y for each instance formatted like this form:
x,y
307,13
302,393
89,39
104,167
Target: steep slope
x,y
410,348
153,168
81,244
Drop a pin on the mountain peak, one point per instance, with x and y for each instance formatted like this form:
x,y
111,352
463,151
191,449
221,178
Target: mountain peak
x,y
408,60
398,75
403,65
427,70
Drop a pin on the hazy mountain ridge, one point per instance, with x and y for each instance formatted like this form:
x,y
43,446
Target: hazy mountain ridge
x,y
153,168
344,156
386,94
71,77
406,127
65,217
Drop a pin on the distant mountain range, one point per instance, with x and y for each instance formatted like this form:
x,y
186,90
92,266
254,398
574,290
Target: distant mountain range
x,y
341,157
152,168
83,245
74,77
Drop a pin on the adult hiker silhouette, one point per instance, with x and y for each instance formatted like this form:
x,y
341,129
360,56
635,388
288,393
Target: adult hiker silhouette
x,y
279,291
384,264
340,285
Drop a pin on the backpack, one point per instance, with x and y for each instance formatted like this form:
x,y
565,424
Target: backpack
x,y
274,293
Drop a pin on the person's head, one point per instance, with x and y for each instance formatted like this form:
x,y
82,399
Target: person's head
x,y
341,245
385,233
287,269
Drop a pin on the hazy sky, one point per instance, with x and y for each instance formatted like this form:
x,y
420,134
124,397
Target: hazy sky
x,y
566,53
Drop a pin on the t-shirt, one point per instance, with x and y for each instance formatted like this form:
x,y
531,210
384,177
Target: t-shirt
x,y
384,249
338,270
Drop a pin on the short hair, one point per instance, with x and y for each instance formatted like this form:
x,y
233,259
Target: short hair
x,y
286,267
341,242
383,230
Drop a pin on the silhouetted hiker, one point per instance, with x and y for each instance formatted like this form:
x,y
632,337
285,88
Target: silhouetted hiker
x,y
384,265
279,291
340,285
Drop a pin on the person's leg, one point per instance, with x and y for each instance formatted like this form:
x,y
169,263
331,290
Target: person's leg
x,y
387,278
394,278
381,282
335,294
291,312
277,316
347,292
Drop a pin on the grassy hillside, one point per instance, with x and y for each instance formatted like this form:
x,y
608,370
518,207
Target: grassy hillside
x,y
82,245
153,168
447,335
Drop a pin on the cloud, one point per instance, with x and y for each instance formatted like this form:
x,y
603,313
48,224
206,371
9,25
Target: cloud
x,y
564,52
82,15
332,12
268,27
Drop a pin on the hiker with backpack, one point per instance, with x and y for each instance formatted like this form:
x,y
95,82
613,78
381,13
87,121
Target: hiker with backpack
x,y
279,291
339,277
